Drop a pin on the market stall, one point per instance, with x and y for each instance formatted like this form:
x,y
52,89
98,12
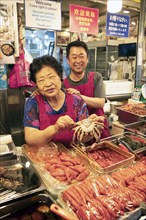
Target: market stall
x,y
101,181
91,178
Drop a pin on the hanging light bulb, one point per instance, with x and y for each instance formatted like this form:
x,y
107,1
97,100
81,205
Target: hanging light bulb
x,y
114,6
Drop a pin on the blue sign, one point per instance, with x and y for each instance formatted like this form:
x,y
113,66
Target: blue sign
x,y
3,77
117,25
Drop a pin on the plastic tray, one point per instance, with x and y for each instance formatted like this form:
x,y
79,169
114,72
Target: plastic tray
x,y
18,169
129,158
137,109
7,146
66,206
114,139
141,151
137,127
39,154
30,208
131,215
10,210
53,185
128,117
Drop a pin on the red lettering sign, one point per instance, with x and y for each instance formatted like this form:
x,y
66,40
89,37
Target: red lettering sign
x,y
83,19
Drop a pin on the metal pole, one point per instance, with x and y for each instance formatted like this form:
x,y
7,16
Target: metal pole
x,y
140,44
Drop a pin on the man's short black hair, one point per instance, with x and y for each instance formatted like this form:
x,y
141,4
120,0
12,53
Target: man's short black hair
x,y
76,43
40,62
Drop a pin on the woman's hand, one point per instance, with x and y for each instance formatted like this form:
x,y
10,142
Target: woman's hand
x,y
73,91
64,123
97,118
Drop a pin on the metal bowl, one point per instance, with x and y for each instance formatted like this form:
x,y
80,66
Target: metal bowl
x,y
18,169
37,206
114,106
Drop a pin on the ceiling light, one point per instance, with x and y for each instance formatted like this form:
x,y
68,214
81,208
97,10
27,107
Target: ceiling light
x,y
133,23
46,36
114,6
32,34
37,39
126,12
136,0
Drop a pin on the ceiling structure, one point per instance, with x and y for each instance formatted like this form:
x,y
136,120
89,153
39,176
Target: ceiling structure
x,y
131,5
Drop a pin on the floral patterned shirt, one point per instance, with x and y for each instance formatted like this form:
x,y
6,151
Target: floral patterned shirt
x,y
31,113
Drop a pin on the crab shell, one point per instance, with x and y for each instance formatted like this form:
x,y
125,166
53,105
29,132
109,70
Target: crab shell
x,y
86,130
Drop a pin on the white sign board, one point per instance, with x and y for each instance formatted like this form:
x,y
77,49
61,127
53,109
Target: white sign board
x,y
43,14
9,43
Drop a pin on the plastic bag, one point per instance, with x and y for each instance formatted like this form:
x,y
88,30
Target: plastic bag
x,y
19,75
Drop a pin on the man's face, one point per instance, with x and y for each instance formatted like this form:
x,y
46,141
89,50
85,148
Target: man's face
x,y
48,82
77,59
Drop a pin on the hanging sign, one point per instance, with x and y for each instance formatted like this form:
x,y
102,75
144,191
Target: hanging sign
x,y
43,14
9,43
3,77
83,19
117,25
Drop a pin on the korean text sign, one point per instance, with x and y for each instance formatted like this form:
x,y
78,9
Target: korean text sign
x,y
83,19
117,25
43,14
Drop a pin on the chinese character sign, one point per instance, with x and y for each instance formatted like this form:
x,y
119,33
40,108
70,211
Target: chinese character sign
x,y
117,25
83,19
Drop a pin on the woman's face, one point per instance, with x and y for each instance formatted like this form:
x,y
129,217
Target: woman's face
x,y
48,82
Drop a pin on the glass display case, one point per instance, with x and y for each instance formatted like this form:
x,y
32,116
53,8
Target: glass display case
x,y
92,57
39,42
100,53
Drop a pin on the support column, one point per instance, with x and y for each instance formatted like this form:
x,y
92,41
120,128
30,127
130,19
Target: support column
x,y
140,44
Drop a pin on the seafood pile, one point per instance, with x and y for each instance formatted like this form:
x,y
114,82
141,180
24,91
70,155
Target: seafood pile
x,y
135,142
41,153
138,109
66,168
87,129
142,129
11,178
108,196
15,177
33,212
137,127
105,157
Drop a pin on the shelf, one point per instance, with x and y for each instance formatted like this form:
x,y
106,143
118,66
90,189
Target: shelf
x,y
101,51
119,96
102,55
112,51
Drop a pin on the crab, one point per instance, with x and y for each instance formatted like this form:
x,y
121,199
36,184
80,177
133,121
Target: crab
x,y
86,130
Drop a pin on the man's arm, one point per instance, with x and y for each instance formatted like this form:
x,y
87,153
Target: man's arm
x,y
94,102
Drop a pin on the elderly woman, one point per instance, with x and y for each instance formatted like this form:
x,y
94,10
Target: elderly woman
x,y
50,115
